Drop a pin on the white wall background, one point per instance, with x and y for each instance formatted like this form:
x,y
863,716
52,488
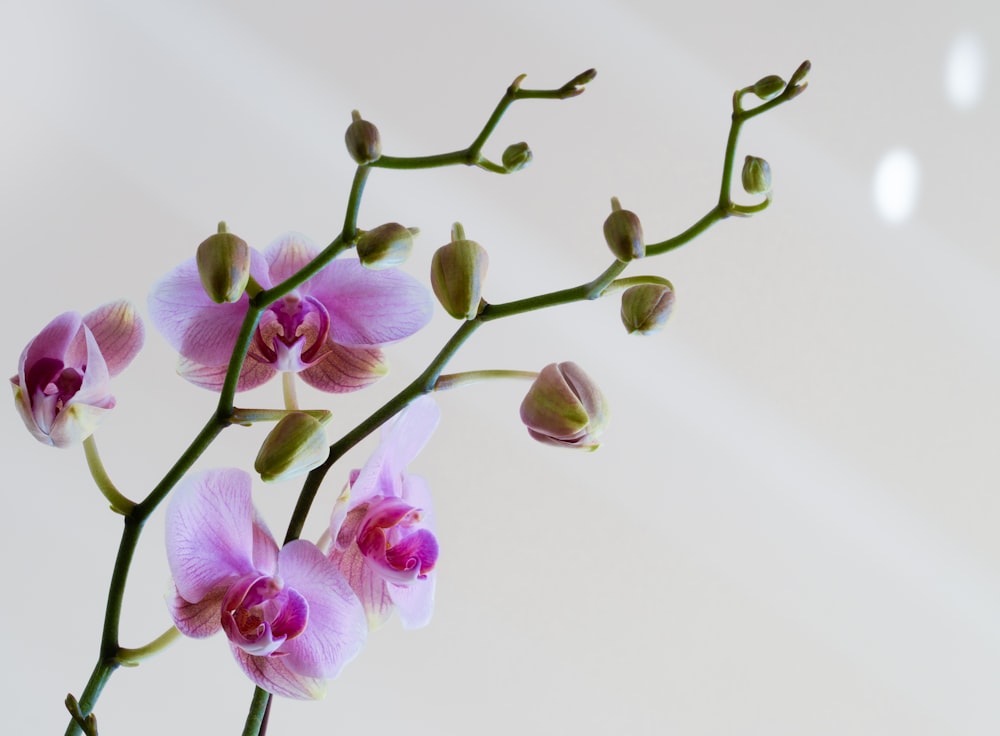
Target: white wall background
x,y
791,527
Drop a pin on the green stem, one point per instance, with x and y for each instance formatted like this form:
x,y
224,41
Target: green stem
x,y
119,503
288,391
246,417
256,717
455,380
472,156
132,657
622,284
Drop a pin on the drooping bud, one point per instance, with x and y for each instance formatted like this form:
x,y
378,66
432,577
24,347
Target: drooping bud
x,y
224,266
623,232
756,175
386,246
458,270
363,140
565,407
768,87
645,307
296,445
516,156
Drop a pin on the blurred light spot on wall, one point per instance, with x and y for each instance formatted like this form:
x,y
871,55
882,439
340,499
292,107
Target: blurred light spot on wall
x,y
965,71
896,186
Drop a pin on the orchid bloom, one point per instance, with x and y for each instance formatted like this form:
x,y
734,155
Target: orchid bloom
x,y
291,618
62,388
328,330
382,525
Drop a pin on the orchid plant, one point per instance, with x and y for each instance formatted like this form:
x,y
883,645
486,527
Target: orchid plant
x,y
295,612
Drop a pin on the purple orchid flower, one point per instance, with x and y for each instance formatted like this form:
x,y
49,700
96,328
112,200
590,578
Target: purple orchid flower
x,y
328,330
291,619
62,388
382,525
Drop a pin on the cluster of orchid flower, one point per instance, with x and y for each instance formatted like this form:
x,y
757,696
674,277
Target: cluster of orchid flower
x,y
295,613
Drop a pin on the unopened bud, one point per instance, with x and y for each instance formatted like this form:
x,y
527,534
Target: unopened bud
x,y
756,175
565,407
458,270
224,266
768,87
516,156
296,445
645,307
623,232
385,246
363,140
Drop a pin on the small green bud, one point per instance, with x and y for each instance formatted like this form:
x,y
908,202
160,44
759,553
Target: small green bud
x,y
385,246
296,445
756,175
363,140
565,407
768,87
224,266
458,270
516,157
623,232
645,307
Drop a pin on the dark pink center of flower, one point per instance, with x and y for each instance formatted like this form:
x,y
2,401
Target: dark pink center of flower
x,y
259,614
393,539
50,385
292,333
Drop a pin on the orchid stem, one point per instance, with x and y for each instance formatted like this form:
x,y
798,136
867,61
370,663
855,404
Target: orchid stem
x,y
132,657
288,391
454,380
119,503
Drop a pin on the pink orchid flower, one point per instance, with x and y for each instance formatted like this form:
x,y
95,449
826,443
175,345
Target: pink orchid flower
x,y
62,388
291,619
328,330
382,525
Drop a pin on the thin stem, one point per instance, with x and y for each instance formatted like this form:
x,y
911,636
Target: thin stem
x,y
622,284
472,155
131,657
119,503
455,380
288,391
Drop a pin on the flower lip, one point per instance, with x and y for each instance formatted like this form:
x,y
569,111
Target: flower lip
x,y
259,614
394,543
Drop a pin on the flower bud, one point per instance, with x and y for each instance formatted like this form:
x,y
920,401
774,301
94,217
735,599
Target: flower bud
x,y
756,175
363,141
623,232
768,87
516,157
385,246
645,307
224,266
565,407
458,270
296,445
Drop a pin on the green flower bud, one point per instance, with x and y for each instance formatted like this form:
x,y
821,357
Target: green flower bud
x,y
363,140
296,445
224,266
458,270
516,157
565,407
768,87
385,246
645,307
756,175
623,232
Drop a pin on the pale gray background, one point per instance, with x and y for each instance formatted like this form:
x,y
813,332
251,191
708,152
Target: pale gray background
x,y
792,525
